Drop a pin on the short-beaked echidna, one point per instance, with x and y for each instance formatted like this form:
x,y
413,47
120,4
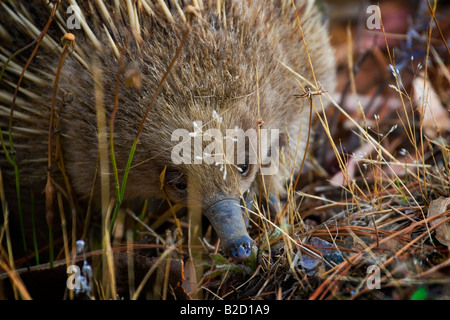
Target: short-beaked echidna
x,y
234,65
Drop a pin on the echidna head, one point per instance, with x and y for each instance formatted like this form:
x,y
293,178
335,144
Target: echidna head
x,y
212,167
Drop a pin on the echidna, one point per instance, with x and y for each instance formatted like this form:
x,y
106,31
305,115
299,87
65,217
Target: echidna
x,y
192,65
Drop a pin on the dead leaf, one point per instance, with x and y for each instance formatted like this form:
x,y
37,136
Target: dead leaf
x,y
361,153
443,231
190,279
433,113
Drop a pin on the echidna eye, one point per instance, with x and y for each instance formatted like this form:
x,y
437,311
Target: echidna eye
x,y
243,168
176,180
181,186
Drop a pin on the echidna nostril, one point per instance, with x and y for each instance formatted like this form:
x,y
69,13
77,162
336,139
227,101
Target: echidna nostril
x,y
241,248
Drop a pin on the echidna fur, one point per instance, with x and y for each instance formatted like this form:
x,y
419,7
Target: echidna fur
x,y
243,60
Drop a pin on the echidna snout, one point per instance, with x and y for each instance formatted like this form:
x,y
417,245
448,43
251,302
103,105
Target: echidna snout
x,y
227,219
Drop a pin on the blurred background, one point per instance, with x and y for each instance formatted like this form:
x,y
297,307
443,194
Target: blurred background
x,y
376,60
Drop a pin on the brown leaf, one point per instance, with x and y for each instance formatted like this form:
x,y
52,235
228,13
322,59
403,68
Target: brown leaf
x,y
362,152
434,115
443,231
190,281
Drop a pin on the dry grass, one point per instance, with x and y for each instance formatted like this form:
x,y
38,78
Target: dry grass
x,y
363,199
375,210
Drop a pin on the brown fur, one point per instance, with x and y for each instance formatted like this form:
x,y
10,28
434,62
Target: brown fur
x,y
220,68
